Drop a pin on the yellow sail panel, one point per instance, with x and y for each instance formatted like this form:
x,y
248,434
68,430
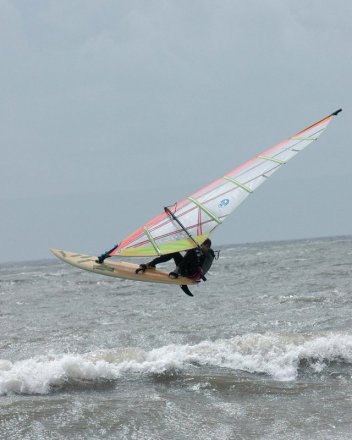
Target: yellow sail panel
x,y
164,248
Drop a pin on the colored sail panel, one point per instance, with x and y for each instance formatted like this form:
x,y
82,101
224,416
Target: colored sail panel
x,y
199,214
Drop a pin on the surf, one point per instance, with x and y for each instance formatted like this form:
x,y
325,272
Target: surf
x,y
278,357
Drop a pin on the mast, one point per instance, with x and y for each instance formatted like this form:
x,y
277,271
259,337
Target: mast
x,y
173,216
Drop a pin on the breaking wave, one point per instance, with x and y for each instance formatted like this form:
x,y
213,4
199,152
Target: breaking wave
x,y
279,357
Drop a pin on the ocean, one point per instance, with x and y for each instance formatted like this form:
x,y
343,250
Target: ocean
x,y
262,351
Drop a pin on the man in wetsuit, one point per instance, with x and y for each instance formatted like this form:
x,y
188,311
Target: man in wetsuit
x,y
194,264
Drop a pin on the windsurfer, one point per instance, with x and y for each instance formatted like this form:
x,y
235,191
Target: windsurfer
x,y
194,264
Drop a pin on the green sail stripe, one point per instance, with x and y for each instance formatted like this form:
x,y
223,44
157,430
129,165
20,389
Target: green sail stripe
x,y
206,210
239,184
151,239
272,159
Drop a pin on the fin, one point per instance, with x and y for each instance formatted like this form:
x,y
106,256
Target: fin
x,y
185,288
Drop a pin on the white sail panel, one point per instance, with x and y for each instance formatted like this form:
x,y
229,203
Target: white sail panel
x,y
190,221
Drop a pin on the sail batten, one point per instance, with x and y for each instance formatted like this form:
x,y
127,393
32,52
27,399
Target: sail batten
x,y
201,212
205,209
272,159
152,241
300,138
239,184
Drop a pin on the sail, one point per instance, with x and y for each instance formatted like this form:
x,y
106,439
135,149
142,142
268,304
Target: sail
x,y
189,222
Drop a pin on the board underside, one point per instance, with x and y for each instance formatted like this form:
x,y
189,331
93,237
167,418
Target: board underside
x,y
117,269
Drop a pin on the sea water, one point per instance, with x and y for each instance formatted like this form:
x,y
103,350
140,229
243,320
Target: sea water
x,y
262,351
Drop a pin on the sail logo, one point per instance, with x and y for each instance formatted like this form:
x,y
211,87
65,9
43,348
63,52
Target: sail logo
x,y
223,203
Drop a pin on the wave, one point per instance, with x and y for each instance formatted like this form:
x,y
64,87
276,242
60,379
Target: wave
x,y
280,357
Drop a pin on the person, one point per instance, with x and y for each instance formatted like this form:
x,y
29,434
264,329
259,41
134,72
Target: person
x,y
194,264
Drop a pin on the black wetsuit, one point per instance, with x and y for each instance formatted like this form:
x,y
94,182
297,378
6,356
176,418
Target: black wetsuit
x,y
190,264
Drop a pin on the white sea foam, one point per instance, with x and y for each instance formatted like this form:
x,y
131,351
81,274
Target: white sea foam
x,y
276,356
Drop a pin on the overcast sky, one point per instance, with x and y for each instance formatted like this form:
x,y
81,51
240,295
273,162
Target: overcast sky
x,y
110,110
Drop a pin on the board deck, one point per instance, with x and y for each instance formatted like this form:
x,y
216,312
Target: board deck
x,y
117,269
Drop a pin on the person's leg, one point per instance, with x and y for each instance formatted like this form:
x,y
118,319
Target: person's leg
x,y
162,259
178,259
190,264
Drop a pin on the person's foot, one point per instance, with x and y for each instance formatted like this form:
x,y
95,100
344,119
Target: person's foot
x,y
150,266
173,275
143,267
